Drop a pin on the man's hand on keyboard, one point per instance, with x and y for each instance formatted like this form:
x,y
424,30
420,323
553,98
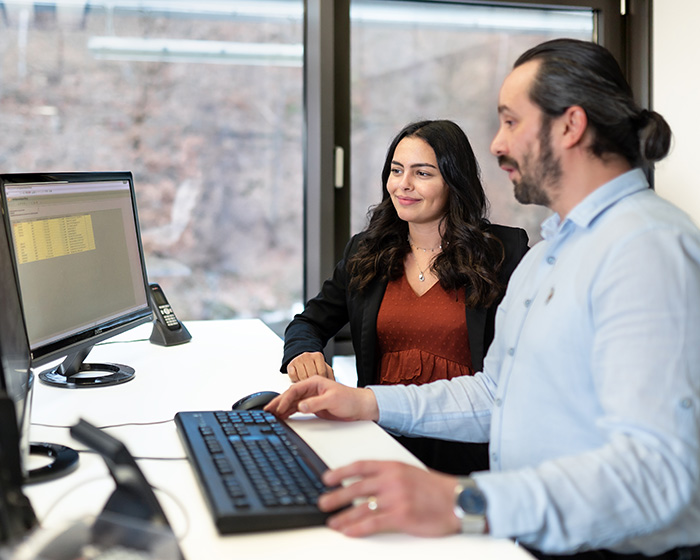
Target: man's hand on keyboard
x,y
326,399
388,496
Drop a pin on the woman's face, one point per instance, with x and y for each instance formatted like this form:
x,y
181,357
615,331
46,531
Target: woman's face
x,y
415,183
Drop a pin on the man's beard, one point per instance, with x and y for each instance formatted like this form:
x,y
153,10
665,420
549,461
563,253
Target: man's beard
x,y
530,188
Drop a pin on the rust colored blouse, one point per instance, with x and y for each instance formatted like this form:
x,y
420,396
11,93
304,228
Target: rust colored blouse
x,y
422,338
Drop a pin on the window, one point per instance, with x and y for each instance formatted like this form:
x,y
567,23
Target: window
x,y
208,102
202,101
413,61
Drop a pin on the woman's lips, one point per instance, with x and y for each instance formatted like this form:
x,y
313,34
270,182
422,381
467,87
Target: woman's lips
x,y
405,201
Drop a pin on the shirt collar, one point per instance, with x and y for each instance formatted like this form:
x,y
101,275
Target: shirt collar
x,y
598,202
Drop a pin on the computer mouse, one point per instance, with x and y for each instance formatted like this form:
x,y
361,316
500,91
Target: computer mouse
x,y
254,401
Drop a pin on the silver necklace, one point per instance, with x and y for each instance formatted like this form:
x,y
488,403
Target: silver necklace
x,y
424,249
421,276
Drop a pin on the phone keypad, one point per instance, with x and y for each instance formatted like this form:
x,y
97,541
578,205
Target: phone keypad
x,y
168,316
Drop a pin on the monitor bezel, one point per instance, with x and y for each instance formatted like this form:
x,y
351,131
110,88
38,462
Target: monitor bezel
x,y
83,340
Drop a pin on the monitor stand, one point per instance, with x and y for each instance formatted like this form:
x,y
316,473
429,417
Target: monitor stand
x,y
56,460
68,374
64,460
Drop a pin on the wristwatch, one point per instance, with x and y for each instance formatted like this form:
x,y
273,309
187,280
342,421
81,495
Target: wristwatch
x,y
470,506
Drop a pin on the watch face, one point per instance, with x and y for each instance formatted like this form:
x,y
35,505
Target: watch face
x,y
472,501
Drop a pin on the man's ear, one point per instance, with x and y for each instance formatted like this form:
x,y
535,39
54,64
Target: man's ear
x,y
575,123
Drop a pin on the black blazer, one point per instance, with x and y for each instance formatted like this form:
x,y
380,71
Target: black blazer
x,y
335,306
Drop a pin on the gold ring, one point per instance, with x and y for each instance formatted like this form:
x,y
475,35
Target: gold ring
x,y
372,503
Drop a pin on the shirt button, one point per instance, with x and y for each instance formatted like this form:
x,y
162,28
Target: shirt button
x,y
686,403
498,402
551,260
528,302
494,457
511,351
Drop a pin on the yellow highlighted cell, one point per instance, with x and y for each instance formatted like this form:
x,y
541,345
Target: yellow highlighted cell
x,y
55,237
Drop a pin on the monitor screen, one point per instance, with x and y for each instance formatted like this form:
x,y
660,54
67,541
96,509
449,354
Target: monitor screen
x,y
78,257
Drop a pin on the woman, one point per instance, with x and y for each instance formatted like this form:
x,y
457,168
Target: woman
x,y
420,285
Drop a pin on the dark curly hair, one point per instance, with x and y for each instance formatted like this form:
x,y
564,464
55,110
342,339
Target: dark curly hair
x,y
470,257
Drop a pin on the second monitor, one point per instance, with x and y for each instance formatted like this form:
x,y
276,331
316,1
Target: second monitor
x,y
78,257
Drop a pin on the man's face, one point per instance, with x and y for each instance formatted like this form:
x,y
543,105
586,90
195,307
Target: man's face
x,y
523,144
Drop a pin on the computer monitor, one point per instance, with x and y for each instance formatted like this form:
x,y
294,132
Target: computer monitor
x,y
16,514
15,373
77,253
16,393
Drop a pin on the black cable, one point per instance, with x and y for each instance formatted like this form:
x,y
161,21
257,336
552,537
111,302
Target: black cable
x,y
138,458
120,426
122,341
154,423
108,426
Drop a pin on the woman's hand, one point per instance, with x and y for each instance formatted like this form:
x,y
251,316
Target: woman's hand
x,y
388,496
326,399
307,365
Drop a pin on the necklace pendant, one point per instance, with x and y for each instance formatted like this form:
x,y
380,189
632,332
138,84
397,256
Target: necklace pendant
x,y
421,277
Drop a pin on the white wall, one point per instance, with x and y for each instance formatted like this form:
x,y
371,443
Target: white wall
x,y
676,95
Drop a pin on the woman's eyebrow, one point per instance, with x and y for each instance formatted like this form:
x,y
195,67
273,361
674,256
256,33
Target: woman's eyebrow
x,y
416,164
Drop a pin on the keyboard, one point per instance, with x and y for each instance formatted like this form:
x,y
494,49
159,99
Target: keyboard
x,y
255,472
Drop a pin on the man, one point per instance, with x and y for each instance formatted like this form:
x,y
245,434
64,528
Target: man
x,y
590,392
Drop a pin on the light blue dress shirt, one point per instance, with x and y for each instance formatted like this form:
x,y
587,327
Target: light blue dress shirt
x,y
590,394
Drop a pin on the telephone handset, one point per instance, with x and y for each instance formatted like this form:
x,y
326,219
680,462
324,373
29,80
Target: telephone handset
x,y
162,308
167,329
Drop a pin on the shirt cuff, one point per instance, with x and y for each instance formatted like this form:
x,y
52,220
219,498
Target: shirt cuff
x,y
392,404
514,508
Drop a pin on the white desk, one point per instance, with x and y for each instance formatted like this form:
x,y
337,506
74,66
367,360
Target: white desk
x,y
224,361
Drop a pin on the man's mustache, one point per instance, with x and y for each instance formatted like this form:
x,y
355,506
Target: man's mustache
x,y
508,162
